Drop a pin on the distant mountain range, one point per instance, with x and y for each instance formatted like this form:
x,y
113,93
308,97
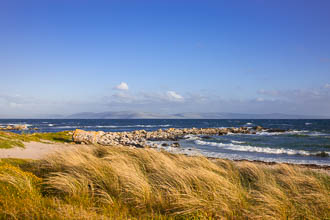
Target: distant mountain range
x,y
187,115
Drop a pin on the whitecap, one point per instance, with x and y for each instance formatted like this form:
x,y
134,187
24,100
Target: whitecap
x,y
13,124
188,151
248,148
131,126
316,133
191,137
265,133
237,142
152,126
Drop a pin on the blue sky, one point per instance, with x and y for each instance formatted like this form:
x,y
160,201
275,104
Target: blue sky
x,y
248,56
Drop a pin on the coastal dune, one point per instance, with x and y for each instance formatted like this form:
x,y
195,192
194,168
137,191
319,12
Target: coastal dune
x,y
97,182
80,181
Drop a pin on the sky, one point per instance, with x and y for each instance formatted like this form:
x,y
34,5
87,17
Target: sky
x,y
164,56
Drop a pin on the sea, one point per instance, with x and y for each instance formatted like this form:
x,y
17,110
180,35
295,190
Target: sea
x,y
304,142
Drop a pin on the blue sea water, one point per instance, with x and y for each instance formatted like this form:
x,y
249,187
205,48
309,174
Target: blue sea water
x,y
302,144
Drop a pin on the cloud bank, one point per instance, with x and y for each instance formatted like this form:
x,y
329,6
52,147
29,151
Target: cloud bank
x,y
314,101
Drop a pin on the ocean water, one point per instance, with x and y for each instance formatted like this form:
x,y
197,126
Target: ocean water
x,y
302,144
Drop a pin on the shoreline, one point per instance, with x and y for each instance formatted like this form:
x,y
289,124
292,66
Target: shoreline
x,y
38,150
311,166
139,139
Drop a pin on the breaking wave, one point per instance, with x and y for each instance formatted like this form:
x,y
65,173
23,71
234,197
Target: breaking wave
x,y
237,142
266,150
112,126
132,126
191,137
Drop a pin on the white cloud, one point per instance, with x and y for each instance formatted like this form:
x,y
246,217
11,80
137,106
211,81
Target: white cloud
x,y
327,86
14,105
173,96
122,86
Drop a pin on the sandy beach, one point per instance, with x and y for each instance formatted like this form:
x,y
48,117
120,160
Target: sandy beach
x,y
34,150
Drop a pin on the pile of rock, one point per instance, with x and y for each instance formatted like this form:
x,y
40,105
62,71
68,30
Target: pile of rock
x,y
135,138
139,138
15,127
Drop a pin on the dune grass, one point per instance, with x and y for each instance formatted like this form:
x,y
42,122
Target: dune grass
x,y
124,183
10,139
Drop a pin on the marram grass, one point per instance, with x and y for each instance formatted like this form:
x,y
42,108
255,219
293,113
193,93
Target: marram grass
x,y
124,183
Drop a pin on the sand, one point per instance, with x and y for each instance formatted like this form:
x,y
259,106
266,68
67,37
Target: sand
x,y
34,150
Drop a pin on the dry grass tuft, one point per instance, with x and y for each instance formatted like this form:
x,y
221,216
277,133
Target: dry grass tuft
x,y
116,182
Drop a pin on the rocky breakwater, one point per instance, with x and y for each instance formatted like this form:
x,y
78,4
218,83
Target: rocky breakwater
x,y
139,138
135,138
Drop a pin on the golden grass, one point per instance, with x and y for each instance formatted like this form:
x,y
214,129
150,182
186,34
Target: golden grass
x,y
124,183
10,139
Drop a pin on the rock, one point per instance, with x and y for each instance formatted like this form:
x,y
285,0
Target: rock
x,y
139,138
258,128
21,127
9,127
164,144
87,137
175,144
322,154
138,145
16,127
275,130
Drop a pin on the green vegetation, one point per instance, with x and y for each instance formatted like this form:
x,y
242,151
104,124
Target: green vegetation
x,y
95,182
10,139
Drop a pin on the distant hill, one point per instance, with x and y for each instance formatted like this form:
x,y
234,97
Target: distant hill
x,y
187,115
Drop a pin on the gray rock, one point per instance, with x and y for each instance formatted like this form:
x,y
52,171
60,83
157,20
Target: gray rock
x,y
175,144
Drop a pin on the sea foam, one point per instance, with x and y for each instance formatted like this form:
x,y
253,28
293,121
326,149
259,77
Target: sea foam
x,y
249,148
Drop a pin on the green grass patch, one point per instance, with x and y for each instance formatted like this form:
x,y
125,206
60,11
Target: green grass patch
x,y
10,139
15,161
63,136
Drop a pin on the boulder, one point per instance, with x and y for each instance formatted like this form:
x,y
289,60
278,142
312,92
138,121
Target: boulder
x,y
16,127
175,144
87,137
272,130
258,128
9,127
322,154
